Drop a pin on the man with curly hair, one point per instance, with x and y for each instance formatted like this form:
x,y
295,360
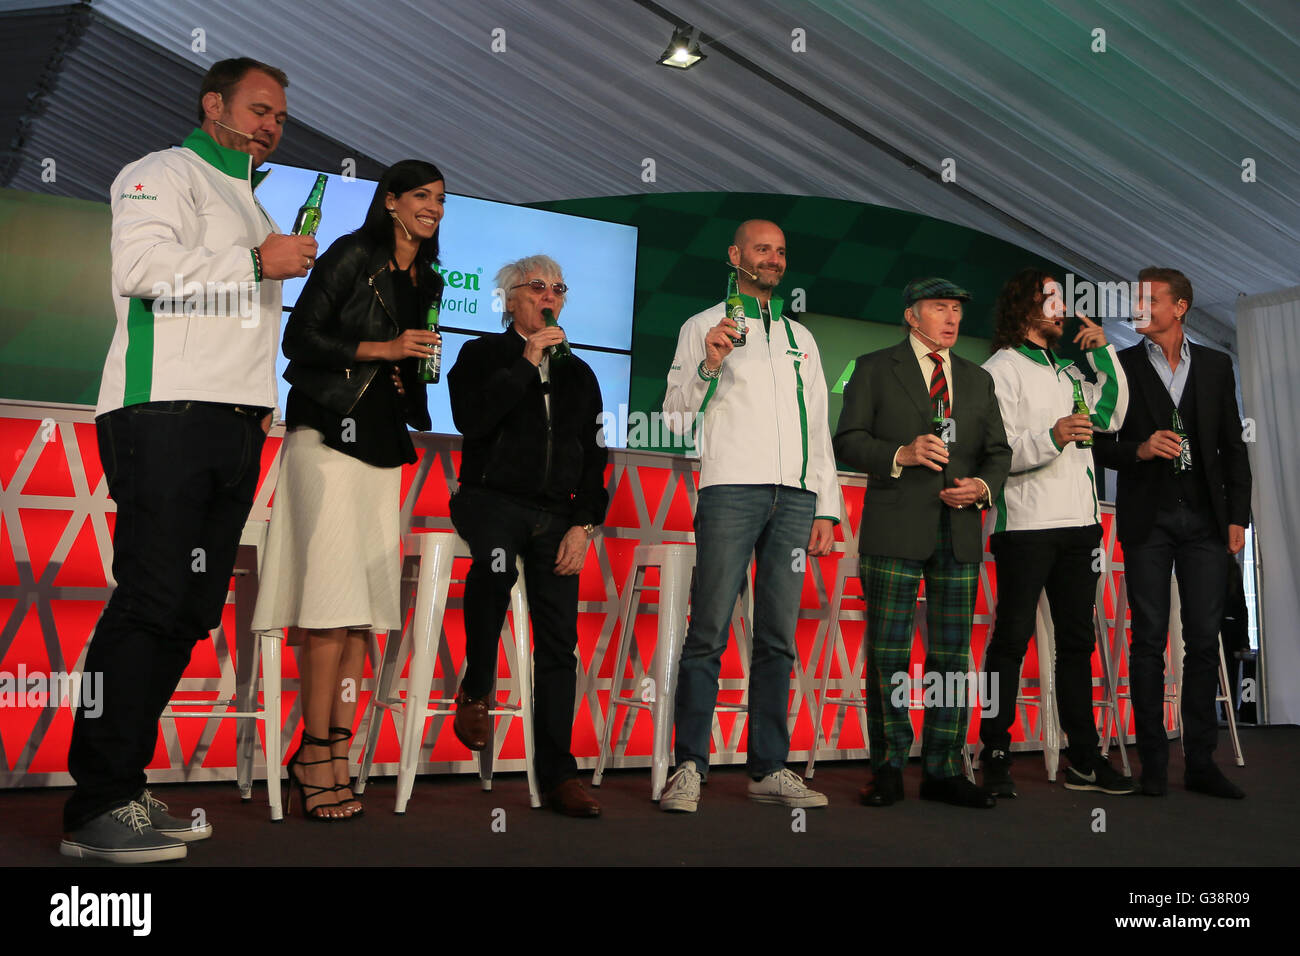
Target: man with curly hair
x,y
1047,525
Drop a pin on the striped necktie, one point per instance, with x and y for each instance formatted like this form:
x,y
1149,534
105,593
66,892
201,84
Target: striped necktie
x,y
938,381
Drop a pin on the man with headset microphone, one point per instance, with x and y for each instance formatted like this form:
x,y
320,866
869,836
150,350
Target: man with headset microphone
x,y
184,405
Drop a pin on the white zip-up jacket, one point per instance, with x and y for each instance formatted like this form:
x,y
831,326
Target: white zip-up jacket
x,y
763,421
191,321
1049,486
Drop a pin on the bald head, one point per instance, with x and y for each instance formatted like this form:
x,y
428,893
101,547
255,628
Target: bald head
x,y
759,251
745,227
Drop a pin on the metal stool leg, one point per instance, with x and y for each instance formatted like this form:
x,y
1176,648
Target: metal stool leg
x,y
1048,716
1225,695
272,722
426,633
524,680
625,634
674,598
382,700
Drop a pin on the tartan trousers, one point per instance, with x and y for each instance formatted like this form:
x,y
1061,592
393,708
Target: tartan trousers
x,y
890,586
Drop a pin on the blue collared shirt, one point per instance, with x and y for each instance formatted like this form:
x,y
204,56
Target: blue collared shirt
x,y
1174,379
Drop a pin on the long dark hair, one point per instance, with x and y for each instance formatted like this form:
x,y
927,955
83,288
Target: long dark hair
x,y
397,179
1019,299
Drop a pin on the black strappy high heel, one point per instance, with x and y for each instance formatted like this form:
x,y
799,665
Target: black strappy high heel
x,y
303,788
338,735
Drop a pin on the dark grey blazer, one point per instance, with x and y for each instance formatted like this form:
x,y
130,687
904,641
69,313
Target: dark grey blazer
x,y
886,405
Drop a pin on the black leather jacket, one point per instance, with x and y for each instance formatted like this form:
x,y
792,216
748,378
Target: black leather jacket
x,y
348,299
510,445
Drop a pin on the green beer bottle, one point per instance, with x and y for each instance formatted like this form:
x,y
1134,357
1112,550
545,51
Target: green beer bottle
x,y
562,350
939,421
1183,463
736,310
431,365
1081,408
308,219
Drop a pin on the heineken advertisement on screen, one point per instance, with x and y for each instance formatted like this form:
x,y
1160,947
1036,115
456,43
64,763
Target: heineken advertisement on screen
x,y
477,238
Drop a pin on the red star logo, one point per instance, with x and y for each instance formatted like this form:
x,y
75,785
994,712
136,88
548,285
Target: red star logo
x,y
139,186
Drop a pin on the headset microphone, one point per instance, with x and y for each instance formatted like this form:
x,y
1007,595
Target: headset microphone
x,y
233,130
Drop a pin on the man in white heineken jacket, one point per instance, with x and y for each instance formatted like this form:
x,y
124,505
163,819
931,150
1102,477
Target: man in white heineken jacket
x,y
186,398
1046,526
768,489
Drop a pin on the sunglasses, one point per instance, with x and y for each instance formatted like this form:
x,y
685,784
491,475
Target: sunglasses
x,y
539,285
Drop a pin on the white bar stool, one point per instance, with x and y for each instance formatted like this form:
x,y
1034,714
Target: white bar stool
x,y
1109,704
248,564
431,555
676,564
833,649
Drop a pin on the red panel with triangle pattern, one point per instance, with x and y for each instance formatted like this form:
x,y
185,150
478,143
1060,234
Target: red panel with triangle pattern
x,y
47,548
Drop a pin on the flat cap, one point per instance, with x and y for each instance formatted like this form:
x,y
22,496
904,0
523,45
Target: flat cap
x,y
932,288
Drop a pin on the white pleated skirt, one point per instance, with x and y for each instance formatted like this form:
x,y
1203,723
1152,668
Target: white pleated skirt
x,y
333,550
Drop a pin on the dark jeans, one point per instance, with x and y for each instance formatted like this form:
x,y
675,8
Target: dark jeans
x,y
1184,540
183,476
1062,560
498,529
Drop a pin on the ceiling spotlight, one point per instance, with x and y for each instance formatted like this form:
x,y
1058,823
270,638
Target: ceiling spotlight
x,y
683,50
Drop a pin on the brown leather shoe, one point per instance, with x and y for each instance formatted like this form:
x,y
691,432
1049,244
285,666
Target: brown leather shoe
x,y
570,799
473,723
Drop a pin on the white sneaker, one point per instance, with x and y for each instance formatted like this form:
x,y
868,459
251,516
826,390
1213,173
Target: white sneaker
x,y
786,788
683,791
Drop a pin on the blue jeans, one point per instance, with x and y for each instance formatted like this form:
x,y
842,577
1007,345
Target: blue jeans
x,y
733,522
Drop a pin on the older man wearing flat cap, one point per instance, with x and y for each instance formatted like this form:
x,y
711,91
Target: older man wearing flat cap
x,y
921,518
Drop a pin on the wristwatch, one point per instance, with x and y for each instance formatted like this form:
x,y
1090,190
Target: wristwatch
x,y
590,529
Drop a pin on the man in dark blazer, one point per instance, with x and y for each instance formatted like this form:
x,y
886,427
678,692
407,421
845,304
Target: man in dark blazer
x,y
1180,502
921,517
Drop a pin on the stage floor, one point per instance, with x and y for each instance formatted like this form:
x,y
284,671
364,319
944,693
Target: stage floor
x,y
450,822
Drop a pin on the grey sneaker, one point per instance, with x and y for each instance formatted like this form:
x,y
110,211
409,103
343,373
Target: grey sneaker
x,y
168,825
122,836
1101,777
682,795
786,788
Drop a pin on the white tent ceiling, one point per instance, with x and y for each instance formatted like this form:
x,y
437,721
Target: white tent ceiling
x,y
1104,161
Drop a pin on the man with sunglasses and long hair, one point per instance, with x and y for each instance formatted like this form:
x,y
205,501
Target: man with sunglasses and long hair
x,y
532,485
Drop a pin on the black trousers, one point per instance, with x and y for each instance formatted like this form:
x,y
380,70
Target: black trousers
x,y
1184,540
183,476
498,529
1065,561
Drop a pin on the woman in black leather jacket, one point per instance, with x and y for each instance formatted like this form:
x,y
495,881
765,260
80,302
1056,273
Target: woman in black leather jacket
x,y
331,573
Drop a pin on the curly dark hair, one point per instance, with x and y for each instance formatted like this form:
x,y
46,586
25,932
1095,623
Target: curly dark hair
x,y
1020,296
